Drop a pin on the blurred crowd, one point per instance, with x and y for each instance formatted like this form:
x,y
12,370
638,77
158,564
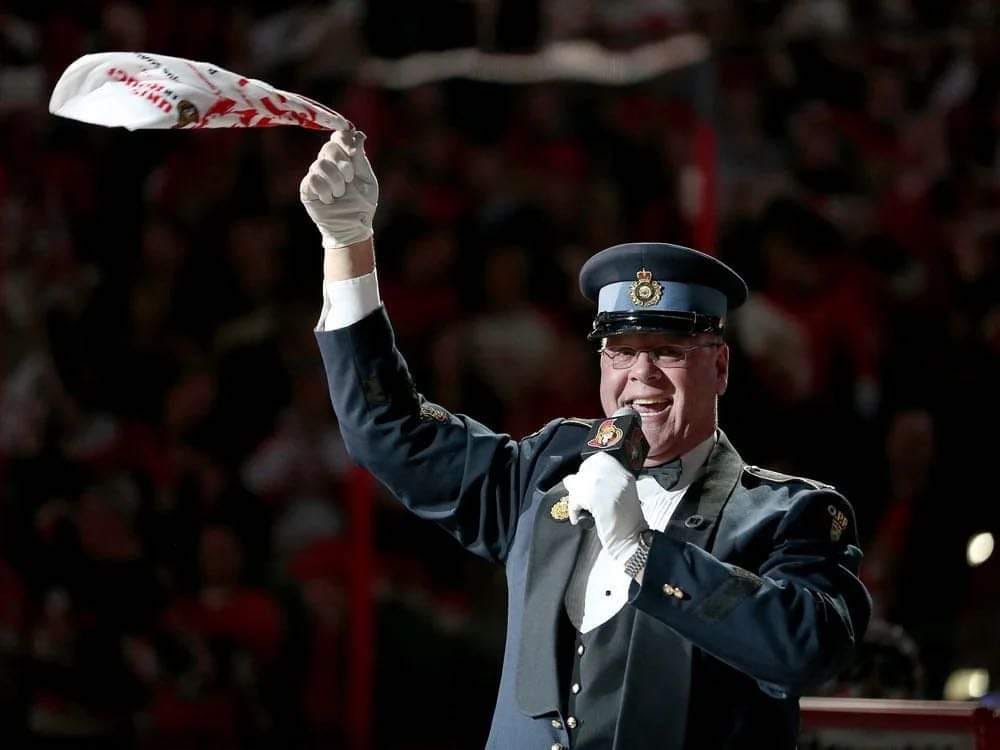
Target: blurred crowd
x,y
174,527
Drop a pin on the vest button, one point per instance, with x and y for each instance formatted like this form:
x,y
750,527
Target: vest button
x,y
580,649
571,722
557,746
575,688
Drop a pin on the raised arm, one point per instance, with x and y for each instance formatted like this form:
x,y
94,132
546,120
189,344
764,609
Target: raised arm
x,y
443,467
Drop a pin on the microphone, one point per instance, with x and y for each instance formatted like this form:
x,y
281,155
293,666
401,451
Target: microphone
x,y
620,436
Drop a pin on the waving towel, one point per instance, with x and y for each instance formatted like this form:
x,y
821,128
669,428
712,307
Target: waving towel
x,y
138,90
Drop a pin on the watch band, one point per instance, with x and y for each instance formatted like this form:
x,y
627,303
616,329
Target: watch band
x,y
637,561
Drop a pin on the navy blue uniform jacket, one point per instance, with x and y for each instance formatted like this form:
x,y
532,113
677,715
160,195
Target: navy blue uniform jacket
x,y
767,565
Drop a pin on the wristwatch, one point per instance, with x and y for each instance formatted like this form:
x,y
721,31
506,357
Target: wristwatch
x,y
637,562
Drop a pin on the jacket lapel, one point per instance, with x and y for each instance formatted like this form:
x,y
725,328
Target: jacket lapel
x,y
553,553
698,513
658,672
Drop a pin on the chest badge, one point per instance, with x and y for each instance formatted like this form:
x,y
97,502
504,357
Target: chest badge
x,y
560,509
645,290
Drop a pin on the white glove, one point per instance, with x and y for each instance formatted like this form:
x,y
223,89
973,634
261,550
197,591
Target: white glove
x,y
606,489
340,192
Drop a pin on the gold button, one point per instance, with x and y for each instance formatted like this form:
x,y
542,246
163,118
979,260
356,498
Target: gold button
x,y
668,590
678,593
571,722
575,688
580,649
556,724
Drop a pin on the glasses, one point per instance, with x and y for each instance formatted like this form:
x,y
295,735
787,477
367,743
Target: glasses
x,y
623,357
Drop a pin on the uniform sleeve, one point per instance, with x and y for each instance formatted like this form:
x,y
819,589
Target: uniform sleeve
x,y
790,624
445,468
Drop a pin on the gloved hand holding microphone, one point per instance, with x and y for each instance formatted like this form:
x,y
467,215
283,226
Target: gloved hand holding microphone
x,y
606,490
603,493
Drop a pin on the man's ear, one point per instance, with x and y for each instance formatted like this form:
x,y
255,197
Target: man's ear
x,y
722,369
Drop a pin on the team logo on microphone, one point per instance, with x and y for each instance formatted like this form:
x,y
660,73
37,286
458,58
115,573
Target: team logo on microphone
x,y
607,435
645,291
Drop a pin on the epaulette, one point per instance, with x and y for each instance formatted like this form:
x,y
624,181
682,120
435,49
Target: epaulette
x,y
588,423
776,476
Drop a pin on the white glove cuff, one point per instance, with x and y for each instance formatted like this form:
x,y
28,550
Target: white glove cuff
x,y
351,232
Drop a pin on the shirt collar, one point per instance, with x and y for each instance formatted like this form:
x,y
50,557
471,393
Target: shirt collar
x,y
694,460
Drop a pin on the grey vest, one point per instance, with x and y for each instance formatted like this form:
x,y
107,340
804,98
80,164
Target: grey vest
x,y
599,658
594,697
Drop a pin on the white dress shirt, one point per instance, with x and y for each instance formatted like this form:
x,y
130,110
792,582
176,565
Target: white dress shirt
x,y
608,583
349,301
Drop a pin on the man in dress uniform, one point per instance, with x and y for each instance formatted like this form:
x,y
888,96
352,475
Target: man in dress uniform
x,y
704,595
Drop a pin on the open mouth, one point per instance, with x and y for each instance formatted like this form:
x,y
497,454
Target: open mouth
x,y
648,406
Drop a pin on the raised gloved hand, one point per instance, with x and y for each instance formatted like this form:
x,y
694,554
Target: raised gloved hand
x,y
606,489
340,192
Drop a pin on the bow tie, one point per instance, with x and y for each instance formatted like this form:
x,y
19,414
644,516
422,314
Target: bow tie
x,y
666,475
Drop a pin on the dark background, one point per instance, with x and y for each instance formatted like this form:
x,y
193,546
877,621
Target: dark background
x,y
173,557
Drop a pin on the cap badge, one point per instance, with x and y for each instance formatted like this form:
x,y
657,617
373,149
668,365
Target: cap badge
x,y
607,435
645,291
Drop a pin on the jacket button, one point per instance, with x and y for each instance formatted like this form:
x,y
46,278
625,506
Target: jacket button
x,y
556,724
575,688
668,590
557,746
571,722
580,649
695,521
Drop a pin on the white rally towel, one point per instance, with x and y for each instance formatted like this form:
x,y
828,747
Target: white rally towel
x,y
139,90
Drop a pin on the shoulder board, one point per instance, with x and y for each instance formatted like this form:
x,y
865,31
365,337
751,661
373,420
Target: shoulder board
x,y
588,423
776,476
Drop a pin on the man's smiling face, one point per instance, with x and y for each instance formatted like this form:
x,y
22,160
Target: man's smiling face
x,y
677,402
